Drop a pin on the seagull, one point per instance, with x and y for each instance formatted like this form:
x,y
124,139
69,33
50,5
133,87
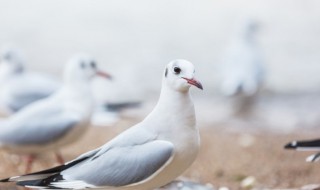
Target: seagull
x,y
112,104
19,87
308,145
148,155
110,113
53,122
242,70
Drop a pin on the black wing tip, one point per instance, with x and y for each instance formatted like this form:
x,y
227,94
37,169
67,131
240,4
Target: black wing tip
x,y
43,183
291,145
303,144
27,183
5,180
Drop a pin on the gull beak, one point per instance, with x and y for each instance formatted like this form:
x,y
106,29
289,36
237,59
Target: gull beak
x,y
194,82
103,74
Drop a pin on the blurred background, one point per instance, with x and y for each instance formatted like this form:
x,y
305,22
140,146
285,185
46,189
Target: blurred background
x,y
134,40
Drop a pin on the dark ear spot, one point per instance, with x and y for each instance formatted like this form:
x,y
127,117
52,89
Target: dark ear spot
x,y
7,56
82,65
93,64
166,73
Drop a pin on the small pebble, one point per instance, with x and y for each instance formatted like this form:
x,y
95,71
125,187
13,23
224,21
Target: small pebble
x,y
311,187
246,140
186,185
248,182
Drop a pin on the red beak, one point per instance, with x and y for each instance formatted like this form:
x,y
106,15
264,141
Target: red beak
x,y
194,82
103,74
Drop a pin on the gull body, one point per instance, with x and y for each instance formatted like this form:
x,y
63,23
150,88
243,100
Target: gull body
x,y
18,86
56,121
146,156
243,70
242,67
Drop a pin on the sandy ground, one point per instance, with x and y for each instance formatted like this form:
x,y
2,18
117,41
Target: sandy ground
x,y
225,159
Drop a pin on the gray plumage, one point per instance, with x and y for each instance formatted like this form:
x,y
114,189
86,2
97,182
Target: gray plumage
x,y
37,127
120,166
20,87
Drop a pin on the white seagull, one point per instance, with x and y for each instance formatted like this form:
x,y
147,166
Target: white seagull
x,y
19,87
58,120
147,155
307,145
242,66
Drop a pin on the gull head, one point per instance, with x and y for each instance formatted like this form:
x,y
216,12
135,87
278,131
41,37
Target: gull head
x,y
179,75
11,60
248,28
83,68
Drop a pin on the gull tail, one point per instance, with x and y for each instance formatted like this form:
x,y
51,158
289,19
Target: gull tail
x,y
42,183
304,145
232,89
115,107
41,175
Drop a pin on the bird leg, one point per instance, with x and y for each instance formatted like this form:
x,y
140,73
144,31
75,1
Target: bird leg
x,y
59,157
30,159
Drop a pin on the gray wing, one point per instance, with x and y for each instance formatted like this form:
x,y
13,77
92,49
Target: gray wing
x,y
29,88
39,127
20,100
119,166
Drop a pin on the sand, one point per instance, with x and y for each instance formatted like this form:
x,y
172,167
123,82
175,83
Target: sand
x,y
225,159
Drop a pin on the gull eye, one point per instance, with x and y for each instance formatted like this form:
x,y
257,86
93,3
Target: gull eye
x,y
177,70
93,64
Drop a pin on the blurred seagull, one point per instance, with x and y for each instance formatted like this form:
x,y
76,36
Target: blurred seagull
x,y
242,69
58,120
111,104
308,145
18,87
109,113
147,155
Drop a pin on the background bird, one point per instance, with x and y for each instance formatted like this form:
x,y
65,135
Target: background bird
x,y
113,100
58,120
242,67
307,145
108,114
18,86
146,156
